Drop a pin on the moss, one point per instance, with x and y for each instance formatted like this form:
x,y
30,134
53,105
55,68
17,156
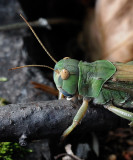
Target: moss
x,y
9,150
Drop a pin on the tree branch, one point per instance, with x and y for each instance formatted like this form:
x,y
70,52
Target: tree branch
x,y
38,120
41,22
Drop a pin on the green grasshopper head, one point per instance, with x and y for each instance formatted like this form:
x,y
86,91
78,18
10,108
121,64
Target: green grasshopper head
x,y
66,75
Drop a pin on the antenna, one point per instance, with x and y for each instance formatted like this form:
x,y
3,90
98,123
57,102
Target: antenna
x,y
38,38
34,66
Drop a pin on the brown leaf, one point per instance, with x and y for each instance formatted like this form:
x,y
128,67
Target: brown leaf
x,y
110,31
115,23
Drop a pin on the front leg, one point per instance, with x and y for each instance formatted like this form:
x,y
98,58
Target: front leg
x,y
78,117
121,112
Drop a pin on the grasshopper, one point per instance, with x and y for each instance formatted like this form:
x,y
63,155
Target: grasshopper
x,y
103,82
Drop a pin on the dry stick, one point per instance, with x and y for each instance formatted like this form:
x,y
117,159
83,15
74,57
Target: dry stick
x,y
69,152
41,22
46,88
22,25
39,120
66,154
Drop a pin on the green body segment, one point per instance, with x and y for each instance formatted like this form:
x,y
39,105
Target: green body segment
x,y
91,80
118,98
104,82
92,76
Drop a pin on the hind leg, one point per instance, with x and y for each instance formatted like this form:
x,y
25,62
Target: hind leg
x,y
121,112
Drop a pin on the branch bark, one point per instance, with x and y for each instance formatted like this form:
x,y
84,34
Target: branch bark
x,y
38,120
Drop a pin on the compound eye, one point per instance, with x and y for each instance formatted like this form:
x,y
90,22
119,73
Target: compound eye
x,y
64,74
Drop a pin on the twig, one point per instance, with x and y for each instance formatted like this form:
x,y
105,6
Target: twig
x,y
46,88
69,152
66,154
39,120
41,22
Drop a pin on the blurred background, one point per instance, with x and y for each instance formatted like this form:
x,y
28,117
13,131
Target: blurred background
x,y
86,30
